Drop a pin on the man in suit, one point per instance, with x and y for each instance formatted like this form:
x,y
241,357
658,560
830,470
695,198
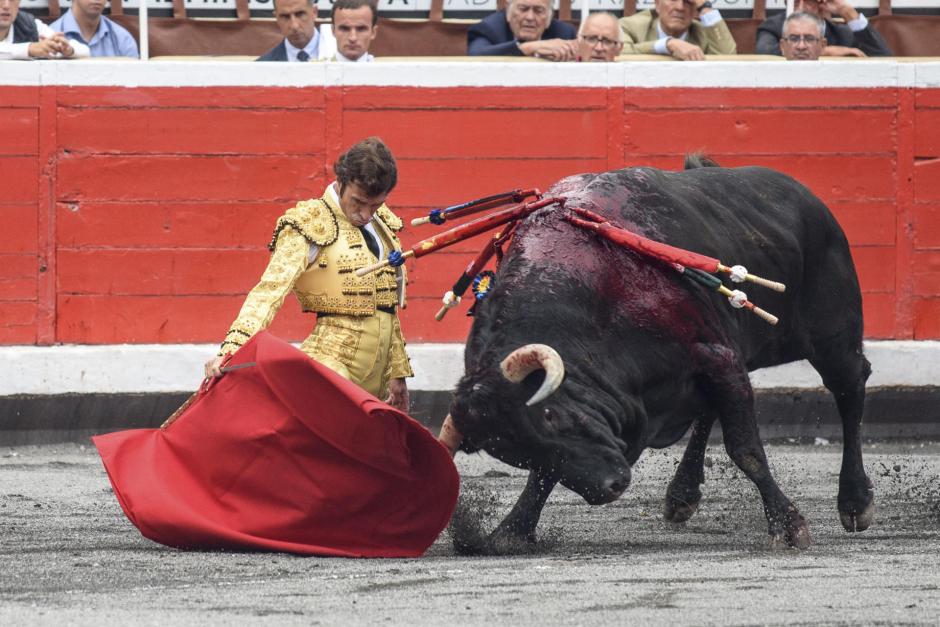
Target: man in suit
x,y
803,38
670,29
525,28
297,21
854,38
355,25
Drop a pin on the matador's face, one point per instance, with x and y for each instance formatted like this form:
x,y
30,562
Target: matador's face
x,y
357,205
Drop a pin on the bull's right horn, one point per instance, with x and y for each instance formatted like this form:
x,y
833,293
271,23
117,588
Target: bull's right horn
x,y
529,358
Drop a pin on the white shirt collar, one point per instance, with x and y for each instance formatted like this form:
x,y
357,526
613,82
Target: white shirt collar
x,y
9,38
366,58
312,48
663,34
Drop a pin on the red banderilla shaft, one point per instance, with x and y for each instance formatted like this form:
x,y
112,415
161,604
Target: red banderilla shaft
x,y
475,206
465,231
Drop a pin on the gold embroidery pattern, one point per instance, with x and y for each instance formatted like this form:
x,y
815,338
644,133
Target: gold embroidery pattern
x,y
337,337
328,285
287,262
393,222
311,218
399,366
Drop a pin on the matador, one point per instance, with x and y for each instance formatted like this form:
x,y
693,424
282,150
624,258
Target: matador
x,y
316,249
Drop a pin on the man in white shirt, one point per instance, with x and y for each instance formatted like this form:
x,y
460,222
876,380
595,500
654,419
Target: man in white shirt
x,y
297,21
24,37
86,24
354,27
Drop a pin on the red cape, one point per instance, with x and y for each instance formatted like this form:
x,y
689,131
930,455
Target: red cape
x,y
285,455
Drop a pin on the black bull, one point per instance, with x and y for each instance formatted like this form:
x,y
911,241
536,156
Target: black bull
x,y
647,353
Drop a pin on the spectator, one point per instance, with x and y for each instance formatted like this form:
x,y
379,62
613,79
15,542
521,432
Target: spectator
x,y
803,37
22,36
85,24
525,28
600,37
670,29
855,38
354,27
297,21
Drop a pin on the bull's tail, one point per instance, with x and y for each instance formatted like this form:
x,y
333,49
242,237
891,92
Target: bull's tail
x,y
699,160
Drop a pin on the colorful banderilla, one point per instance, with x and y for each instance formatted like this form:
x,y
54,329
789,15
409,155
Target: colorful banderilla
x,y
439,216
665,252
460,233
693,265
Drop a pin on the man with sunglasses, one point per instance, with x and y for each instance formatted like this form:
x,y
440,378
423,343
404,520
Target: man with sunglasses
x,y
853,38
600,38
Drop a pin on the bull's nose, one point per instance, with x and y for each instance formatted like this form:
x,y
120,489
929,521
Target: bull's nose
x,y
609,490
616,486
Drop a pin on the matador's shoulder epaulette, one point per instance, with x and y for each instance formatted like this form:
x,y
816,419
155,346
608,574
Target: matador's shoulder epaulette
x,y
312,219
390,219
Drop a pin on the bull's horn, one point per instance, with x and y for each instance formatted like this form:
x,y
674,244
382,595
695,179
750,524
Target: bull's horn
x,y
529,358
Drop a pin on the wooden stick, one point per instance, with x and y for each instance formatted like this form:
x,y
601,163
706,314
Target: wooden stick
x,y
753,278
381,264
766,316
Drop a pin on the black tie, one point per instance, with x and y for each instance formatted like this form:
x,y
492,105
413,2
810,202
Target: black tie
x,y
370,241
302,56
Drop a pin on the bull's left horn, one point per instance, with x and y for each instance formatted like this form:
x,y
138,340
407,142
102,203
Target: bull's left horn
x,y
529,358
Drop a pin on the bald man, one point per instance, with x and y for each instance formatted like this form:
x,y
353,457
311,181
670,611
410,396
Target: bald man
x,y
600,38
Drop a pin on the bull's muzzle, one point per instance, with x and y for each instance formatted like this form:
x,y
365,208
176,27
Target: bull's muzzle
x,y
527,359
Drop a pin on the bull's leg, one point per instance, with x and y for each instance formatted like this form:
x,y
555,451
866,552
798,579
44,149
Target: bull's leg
x,y
730,391
844,371
519,525
683,494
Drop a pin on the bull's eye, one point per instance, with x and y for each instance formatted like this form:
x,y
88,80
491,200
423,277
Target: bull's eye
x,y
548,414
476,387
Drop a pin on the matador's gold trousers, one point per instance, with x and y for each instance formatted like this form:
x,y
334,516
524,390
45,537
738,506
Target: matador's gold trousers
x,y
356,347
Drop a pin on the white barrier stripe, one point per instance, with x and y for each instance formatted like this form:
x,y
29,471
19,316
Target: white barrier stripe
x,y
142,368
868,73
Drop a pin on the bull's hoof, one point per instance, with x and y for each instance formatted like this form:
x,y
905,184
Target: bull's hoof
x,y
858,512
853,521
681,502
470,538
793,533
505,542
676,511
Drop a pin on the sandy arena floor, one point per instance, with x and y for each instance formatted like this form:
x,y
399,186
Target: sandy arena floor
x,y
68,555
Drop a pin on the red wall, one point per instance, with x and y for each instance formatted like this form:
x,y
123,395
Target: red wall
x,y
142,215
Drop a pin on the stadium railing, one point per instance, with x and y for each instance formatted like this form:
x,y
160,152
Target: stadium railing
x,y
180,35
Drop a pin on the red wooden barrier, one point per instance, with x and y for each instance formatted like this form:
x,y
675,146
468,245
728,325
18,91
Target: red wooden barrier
x,y
141,214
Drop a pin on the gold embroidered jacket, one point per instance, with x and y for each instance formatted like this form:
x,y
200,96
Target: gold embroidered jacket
x,y
328,283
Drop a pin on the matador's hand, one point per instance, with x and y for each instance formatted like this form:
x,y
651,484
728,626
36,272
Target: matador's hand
x,y
398,396
213,367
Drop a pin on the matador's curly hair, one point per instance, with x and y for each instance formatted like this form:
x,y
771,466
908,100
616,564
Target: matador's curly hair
x,y
370,165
